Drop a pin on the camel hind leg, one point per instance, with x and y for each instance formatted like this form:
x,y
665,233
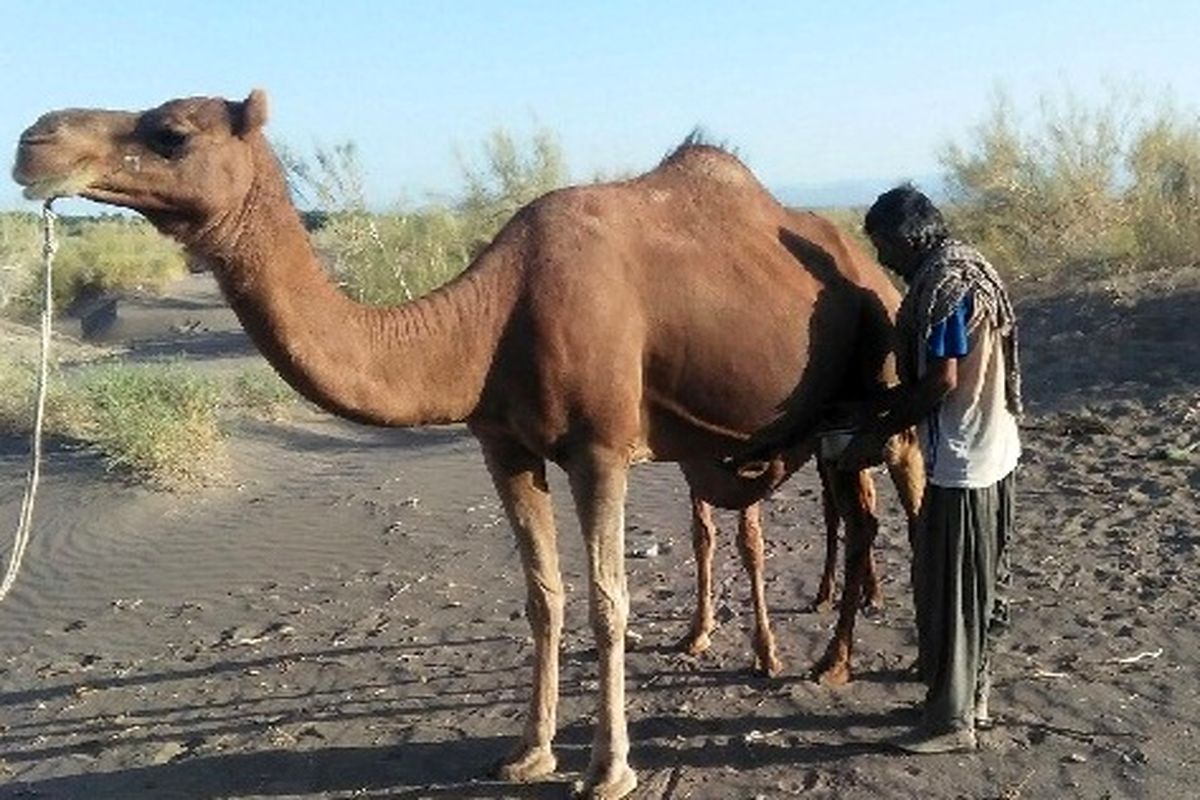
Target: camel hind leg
x,y
906,468
824,599
854,494
750,544
704,541
872,595
520,480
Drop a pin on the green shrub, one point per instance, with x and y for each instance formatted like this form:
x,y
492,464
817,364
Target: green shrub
x,y
1165,196
512,176
1036,201
389,258
260,391
66,413
160,424
122,254
158,421
20,257
1097,188
116,253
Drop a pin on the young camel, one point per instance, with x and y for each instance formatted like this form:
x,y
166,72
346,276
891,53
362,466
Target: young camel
x,y
834,668
591,333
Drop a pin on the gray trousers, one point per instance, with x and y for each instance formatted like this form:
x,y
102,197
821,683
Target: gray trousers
x,y
960,582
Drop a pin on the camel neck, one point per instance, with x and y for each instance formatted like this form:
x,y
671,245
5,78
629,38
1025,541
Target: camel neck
x,y
422,362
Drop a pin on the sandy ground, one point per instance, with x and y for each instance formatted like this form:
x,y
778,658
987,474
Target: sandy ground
x,y
343,617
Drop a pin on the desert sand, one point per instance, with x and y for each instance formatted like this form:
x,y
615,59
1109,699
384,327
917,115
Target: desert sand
x,y
342,616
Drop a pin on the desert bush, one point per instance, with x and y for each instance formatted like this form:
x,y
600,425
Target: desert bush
x,y
261,392
156,421
66,413
512,176
20,256
1164,197
389,258
117,254
392,257
375,258
1099,188
1038,200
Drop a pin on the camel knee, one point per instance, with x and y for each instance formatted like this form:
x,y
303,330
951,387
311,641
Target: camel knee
x,y
750,540
609,615
704,532
544,610
752,556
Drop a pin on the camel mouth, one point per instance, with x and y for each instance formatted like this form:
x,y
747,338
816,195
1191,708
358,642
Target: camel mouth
x,y
46,188
43,177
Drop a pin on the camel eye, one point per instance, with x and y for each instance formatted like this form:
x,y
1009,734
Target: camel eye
x,y
167,142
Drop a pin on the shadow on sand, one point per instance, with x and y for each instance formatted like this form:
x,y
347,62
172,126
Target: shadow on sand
x,y
454,768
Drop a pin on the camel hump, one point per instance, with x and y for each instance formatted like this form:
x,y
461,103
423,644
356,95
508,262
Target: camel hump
x,y
709,162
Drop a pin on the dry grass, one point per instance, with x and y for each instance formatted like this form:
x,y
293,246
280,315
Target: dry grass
x,y
163,425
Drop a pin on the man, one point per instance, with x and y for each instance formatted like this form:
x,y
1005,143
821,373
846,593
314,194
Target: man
x,y
961,387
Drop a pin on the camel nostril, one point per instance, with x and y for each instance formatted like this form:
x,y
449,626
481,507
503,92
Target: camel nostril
x,y
29,138
48,127
39,133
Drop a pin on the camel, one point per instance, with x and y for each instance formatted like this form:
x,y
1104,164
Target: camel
x,y
593,332
834,667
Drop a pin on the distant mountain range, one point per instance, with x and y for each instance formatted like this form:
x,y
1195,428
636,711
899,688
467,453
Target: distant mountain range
x,y
852,192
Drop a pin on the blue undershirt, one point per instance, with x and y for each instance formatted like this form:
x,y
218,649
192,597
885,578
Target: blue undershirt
x,y
948,338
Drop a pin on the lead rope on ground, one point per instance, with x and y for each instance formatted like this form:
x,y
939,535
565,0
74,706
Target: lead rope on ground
x,y
25,523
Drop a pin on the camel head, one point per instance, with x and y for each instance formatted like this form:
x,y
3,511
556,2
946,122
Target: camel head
x,y
185,165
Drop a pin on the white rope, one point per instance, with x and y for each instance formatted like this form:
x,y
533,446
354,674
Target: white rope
x,y
21,540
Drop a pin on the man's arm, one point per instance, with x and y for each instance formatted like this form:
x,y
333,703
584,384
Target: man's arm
x,y
947,342
909,405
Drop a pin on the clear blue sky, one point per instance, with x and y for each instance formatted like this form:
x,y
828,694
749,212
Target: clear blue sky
x,y
808,93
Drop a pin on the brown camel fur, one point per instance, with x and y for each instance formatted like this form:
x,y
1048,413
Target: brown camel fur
x,y
834,667
593,332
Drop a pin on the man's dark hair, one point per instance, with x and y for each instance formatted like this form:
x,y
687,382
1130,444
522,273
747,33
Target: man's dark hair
x,y
906,212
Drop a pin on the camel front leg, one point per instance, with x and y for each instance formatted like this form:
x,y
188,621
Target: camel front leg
x,y
854,494
598,484
520,480
704,541
750,544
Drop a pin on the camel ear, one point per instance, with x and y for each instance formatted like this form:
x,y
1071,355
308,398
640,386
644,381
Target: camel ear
x,y
253,113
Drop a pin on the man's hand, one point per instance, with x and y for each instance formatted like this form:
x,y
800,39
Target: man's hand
x,y
909,405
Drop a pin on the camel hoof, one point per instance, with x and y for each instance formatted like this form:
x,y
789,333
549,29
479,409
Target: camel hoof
x,y
695,643
821,605
607,784
769,667
828,672
526,764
